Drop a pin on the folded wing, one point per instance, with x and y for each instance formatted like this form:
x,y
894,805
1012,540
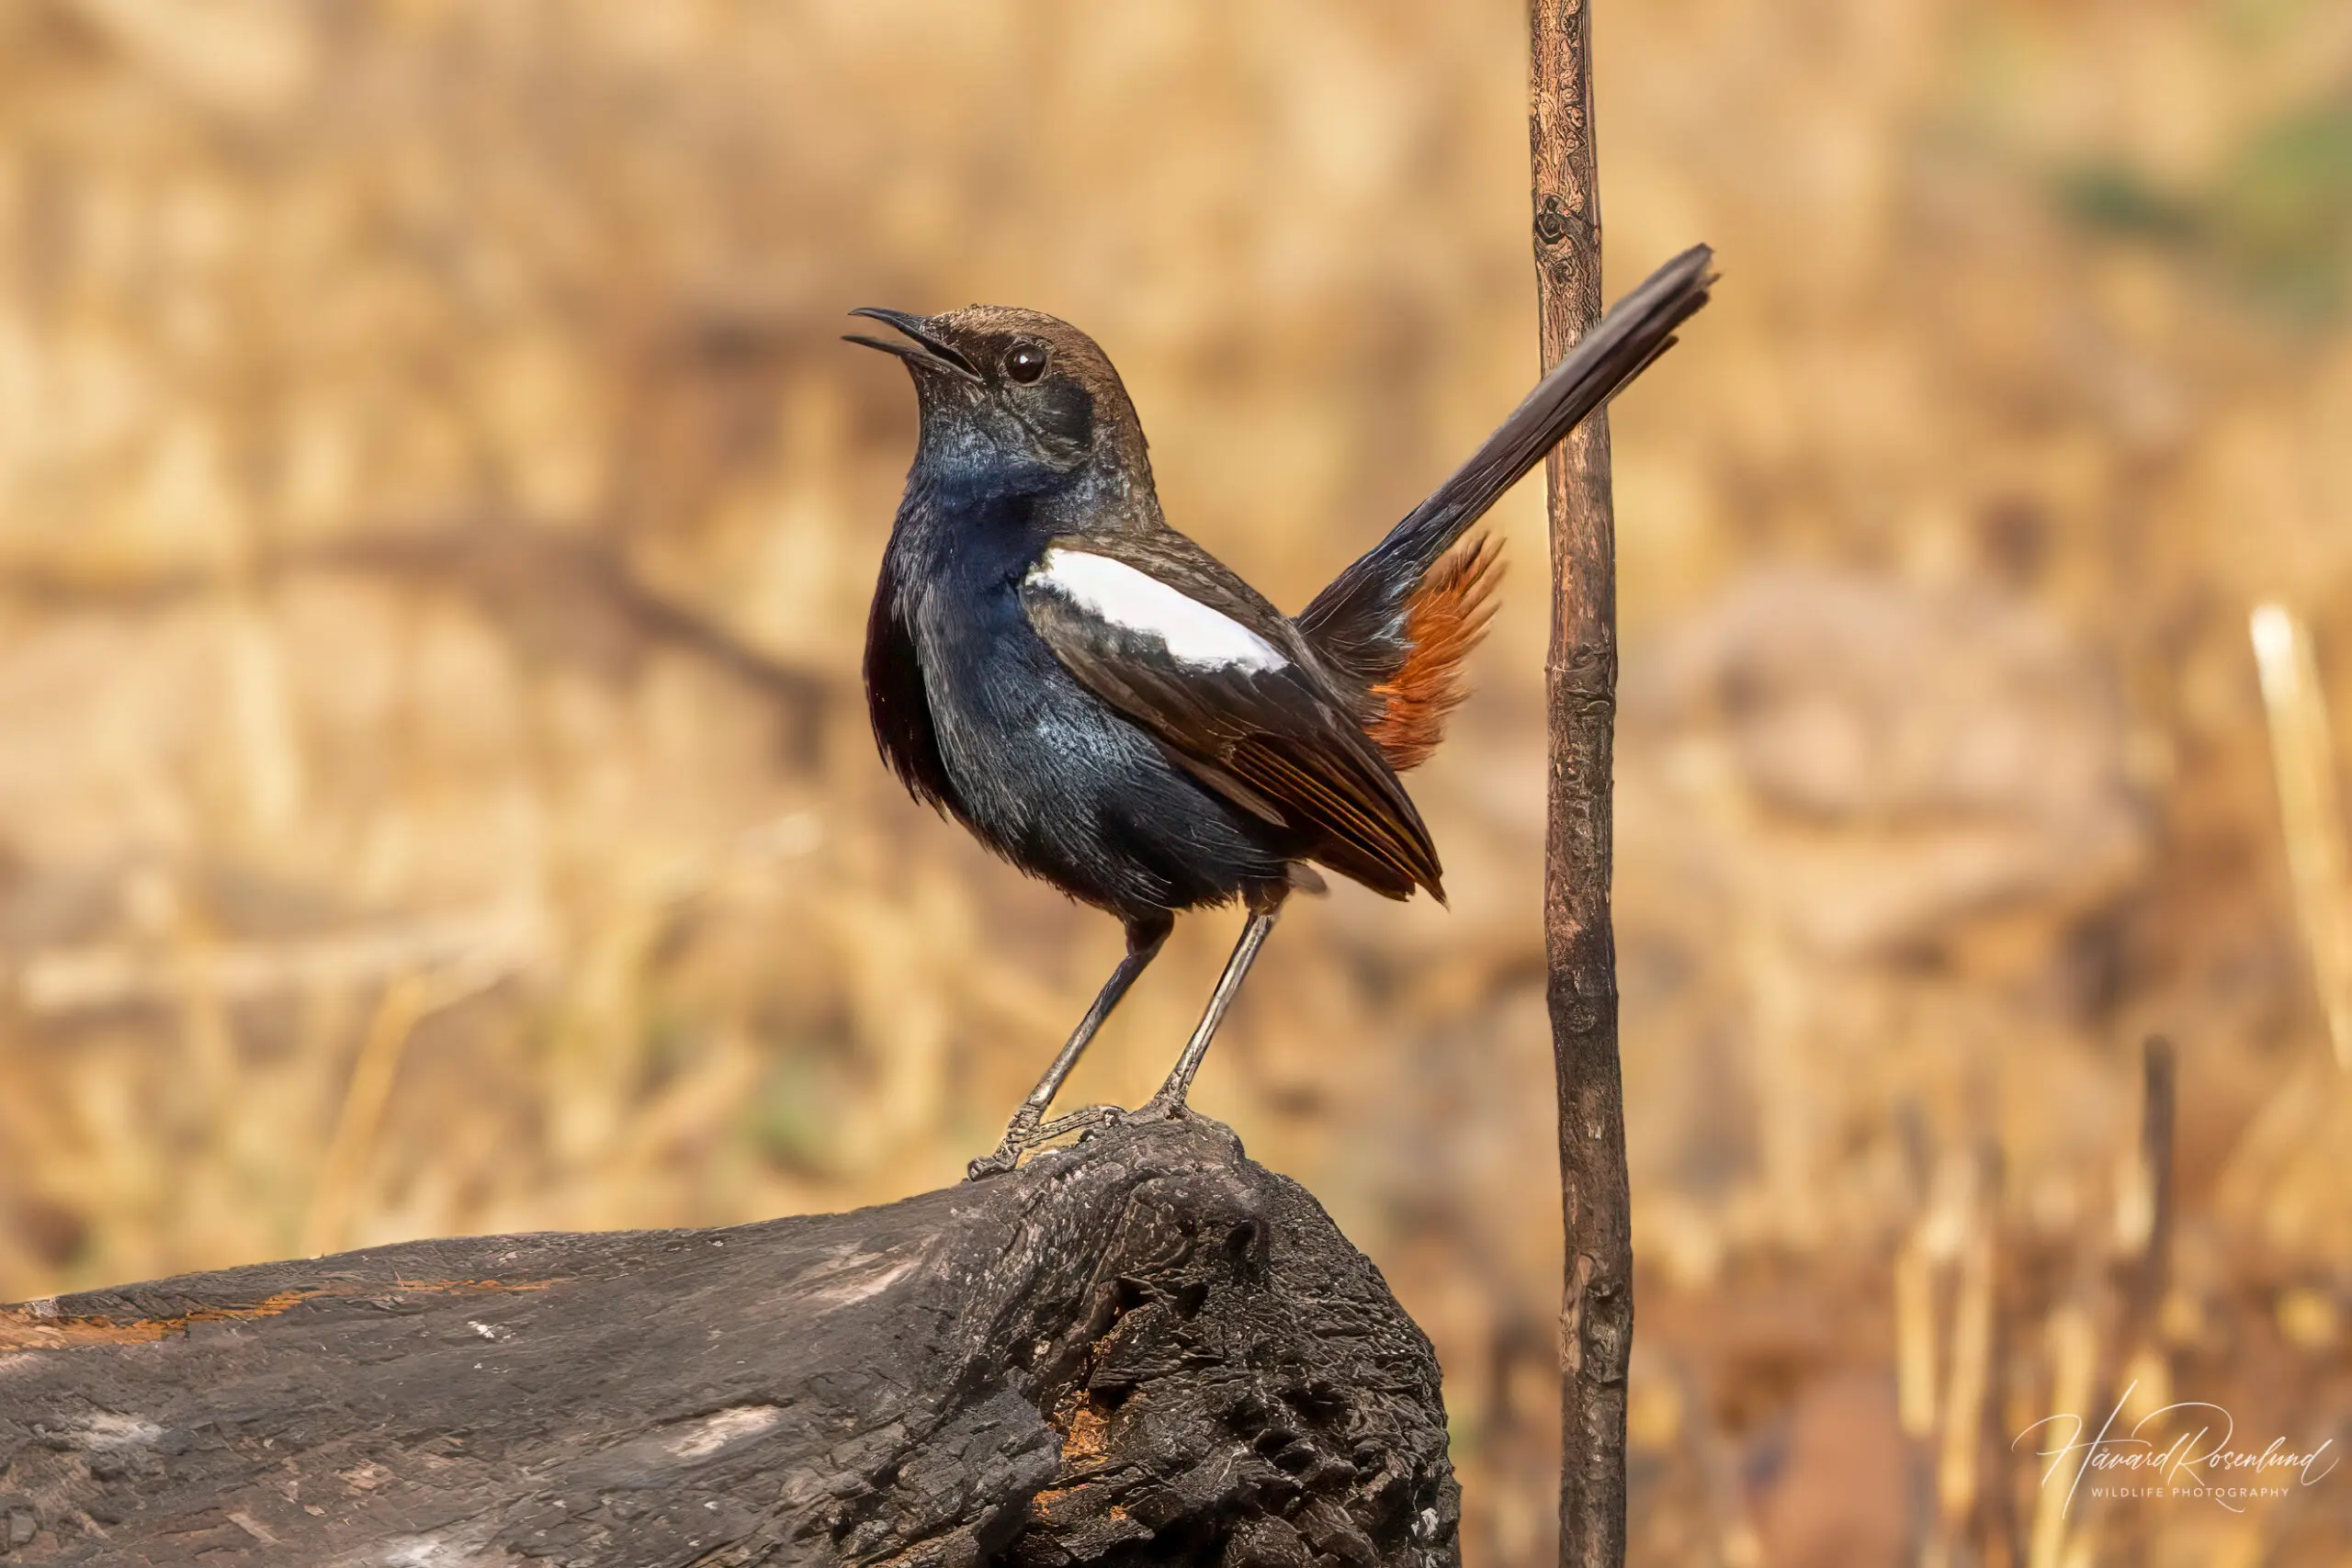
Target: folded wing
x,y
1180,645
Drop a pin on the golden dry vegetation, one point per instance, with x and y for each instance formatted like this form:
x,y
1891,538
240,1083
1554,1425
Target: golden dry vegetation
x,y
435,519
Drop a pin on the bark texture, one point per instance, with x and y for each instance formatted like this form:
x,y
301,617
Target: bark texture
x,y
1145,1349
1597,1307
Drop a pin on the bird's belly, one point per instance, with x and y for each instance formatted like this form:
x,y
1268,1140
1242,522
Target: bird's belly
x,y
1052,778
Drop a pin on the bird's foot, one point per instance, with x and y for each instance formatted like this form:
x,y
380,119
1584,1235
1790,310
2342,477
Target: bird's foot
x,y
1027,1132
1019,1135
1007,1155
1094,1118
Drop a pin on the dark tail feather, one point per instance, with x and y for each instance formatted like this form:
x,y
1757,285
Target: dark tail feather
x,y
1358,622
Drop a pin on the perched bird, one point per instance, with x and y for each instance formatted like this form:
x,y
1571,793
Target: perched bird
x,y
1110,709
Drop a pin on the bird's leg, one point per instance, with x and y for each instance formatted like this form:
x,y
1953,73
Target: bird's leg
x,y
1144,939
1265,905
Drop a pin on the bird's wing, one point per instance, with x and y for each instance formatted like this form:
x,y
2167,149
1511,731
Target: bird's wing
x,y
1166,635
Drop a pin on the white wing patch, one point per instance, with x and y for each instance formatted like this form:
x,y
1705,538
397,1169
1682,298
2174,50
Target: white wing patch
x,y
1193,633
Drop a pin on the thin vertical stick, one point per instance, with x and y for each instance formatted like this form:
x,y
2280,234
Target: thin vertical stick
x,y
1597,1311
1914,1341
1959,1469
1916,1396
2073,1356
2159,1076
2311,810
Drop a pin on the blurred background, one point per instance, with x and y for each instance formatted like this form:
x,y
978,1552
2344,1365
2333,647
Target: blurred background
x,y
435,526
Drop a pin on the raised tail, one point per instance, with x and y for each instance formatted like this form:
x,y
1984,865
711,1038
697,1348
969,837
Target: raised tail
x,y
1394,626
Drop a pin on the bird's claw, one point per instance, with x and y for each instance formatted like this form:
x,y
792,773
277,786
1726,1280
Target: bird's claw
x,y
1020,1136
997,1164
1026,1133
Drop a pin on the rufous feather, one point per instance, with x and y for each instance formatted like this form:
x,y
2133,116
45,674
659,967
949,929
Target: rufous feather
x,y
1444,620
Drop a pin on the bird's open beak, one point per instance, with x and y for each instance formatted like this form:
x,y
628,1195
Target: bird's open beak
x,y
928,347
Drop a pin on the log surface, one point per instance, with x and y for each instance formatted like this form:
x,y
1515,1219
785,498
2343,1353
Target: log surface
x,y
1146,1347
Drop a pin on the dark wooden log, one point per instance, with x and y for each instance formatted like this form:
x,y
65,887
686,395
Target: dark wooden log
x,y
1580,682
1145,1349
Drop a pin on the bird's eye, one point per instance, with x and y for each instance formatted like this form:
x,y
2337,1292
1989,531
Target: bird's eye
x,y
1026,362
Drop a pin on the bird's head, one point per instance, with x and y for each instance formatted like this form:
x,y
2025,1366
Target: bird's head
x,y
1013,402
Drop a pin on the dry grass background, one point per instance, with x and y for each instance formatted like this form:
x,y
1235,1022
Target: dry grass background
x,y
436,521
